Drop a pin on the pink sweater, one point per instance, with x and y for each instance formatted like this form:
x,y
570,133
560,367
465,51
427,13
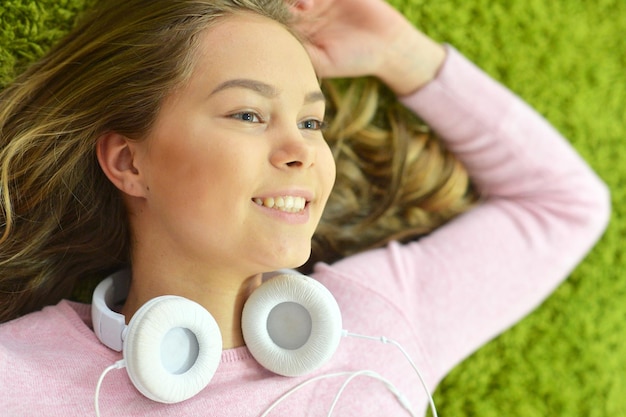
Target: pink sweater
x,y
441,297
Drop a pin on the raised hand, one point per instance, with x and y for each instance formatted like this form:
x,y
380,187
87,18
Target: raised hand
x,y
348,38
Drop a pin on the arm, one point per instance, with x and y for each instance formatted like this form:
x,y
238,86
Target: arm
x,y
544,208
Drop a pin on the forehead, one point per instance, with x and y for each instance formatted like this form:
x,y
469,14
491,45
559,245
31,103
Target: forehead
x,y
253,47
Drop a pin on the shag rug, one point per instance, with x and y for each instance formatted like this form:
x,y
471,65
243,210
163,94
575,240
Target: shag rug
x,y
567,58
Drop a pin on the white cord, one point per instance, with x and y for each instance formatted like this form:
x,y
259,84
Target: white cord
x,y
351,376
117,365
383,339
302,385
403,401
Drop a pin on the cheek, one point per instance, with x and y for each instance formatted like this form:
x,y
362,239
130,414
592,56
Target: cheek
x,y
178,168
200,175
175,170
329,169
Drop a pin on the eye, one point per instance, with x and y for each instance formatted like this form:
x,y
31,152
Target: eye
x,y
312,124
247,116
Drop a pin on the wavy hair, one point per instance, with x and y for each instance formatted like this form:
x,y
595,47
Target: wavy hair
x,y
60,217
395,179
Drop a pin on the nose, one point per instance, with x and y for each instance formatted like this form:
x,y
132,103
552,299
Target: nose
x,y
292,150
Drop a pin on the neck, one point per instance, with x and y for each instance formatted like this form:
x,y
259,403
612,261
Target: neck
x,y
223,296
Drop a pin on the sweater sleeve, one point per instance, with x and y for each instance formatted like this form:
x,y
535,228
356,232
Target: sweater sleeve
x,y
543,209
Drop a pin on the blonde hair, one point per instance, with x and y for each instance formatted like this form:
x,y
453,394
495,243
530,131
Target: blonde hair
x,y
395,180
60,218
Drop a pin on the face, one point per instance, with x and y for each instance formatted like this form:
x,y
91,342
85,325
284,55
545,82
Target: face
x,y
236,169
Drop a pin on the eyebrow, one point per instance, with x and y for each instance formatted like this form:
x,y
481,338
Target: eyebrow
x,y
266,90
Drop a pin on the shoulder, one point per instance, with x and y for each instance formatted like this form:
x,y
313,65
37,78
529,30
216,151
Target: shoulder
x,y
50,321
386,277
54,335
49,354
40,334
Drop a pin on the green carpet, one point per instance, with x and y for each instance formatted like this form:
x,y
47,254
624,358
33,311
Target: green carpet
x,y
568,59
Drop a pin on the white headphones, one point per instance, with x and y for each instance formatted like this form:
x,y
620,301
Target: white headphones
x,y
172,346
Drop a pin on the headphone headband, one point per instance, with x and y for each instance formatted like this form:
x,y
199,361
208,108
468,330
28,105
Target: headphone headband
x,y
109,325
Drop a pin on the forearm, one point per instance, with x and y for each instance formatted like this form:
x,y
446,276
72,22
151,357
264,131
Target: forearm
x,y
508,149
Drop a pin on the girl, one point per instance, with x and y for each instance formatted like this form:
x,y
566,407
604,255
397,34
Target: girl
x,y
183,140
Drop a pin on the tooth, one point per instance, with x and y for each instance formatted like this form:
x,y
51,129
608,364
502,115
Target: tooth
x,y
288,203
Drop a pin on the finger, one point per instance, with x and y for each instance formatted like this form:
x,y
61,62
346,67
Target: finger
x,y
319,60
300,5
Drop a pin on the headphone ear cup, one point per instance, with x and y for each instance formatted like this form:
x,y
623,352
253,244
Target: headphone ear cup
x,y
291,324
172,348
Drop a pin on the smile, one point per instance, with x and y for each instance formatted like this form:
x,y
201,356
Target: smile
x,y
288,203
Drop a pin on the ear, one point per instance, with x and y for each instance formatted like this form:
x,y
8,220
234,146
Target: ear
x,y
117,158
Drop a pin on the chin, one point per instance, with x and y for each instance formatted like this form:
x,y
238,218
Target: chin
x,y
284,254
296,263
293,260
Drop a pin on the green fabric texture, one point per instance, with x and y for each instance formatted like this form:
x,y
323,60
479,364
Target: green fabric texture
x,y
567,58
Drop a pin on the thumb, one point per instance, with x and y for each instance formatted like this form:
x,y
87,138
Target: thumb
x,y
318,58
